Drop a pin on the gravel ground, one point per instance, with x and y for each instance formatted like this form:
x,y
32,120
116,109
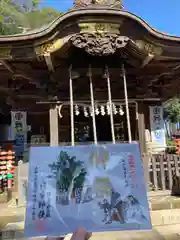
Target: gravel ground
x,y
10,214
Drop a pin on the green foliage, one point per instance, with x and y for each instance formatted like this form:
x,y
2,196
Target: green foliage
x,y
65,170
79,181
170,142
172,111
171,149
40,17
19,15
10,17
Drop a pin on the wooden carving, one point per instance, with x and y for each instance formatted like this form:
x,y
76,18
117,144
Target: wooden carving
x,y
85,3
100,28
99,45
5,52
150,48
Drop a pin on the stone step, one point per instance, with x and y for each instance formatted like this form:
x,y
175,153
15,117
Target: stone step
x,y
158,232
165,219
162,202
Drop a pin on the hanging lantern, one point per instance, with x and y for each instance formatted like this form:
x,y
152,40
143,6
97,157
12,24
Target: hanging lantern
x,y
76,110
97,112
114,109
102,109
121,112
86,114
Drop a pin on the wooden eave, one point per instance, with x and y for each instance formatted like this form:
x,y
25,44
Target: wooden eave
x,y
25,45
38,33
152,57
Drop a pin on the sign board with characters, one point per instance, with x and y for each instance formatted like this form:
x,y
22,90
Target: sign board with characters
x,y
99,187
157,126
19,131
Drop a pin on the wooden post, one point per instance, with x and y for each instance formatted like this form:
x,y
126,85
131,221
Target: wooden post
x,y
141,129
53,120
169,171
154,168
163,180
142,143
145,163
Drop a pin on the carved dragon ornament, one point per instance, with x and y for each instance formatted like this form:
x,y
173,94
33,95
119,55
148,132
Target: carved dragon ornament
x,y
99,44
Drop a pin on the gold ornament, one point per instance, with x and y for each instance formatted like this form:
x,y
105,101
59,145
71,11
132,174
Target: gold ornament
x,y
99,1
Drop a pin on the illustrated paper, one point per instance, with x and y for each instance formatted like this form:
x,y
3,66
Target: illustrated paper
x,y
98,187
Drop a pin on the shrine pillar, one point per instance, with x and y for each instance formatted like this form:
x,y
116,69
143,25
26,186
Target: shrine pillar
x,y
141,127
142,124
53,121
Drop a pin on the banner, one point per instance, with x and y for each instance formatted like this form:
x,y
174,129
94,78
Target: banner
x,y
98,187
157,125
19,131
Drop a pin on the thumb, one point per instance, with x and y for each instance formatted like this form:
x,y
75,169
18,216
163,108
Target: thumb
x,y
80,234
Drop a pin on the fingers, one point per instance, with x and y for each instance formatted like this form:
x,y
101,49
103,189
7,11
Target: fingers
x,y
80,234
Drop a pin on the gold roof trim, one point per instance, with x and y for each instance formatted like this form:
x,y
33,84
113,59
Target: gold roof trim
x,y
149,47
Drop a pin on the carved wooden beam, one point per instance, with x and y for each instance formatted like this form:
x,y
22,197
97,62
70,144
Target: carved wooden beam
x,y
7,66
148,59
12,97
16,74
49,62
98,44
165,74
30,96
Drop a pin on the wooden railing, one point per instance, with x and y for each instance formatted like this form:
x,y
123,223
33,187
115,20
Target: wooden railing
x,y
159,170
162,167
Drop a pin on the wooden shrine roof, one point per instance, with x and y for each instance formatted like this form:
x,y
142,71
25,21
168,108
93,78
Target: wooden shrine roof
x,y
34,66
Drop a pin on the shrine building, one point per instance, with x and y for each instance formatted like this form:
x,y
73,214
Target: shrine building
x,y
97,73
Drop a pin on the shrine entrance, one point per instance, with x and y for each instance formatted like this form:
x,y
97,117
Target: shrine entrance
x,y
84,128
95,94
91,76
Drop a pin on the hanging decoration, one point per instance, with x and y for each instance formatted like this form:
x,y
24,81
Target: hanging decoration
x,y
99,109
76,109
121,112
108,108
86,114
102,110
114,109
97,112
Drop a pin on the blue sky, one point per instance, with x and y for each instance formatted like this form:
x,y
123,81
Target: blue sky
x,y
164,15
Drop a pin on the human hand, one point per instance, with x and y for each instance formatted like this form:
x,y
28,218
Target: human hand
x,y
79,234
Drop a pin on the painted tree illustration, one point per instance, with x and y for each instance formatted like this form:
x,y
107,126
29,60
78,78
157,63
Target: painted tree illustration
x,y
68,172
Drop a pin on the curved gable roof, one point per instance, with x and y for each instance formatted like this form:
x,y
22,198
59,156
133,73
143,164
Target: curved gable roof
x,y
47,29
